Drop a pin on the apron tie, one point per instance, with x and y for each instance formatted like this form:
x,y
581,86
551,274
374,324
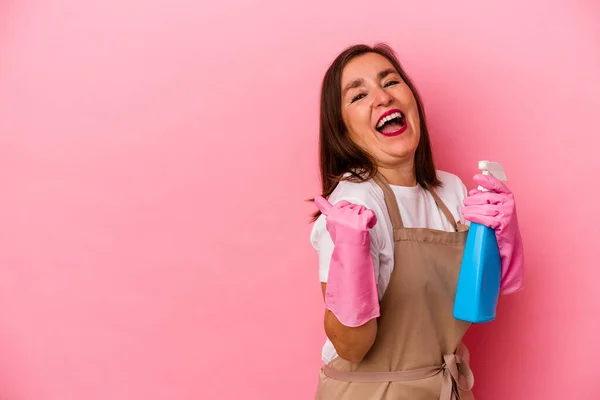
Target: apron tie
x,y
457,375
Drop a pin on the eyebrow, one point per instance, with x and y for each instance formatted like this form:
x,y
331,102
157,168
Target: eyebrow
x,y
386,72
359,82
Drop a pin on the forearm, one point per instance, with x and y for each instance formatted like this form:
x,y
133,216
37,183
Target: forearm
x,y
351,343
351,296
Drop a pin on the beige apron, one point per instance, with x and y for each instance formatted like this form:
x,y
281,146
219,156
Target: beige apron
x,y
418,354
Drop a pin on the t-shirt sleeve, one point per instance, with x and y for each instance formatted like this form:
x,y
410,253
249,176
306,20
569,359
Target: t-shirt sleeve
x,y
462,195
453,193
322,243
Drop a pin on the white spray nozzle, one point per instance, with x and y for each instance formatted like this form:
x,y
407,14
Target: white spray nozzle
x,y
494,169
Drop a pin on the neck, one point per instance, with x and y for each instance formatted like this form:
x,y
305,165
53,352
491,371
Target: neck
x,y
401,175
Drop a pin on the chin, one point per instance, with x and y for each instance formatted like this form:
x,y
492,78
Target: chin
x,y
400,152
403,145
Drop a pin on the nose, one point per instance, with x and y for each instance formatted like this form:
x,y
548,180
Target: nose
x,y
382,98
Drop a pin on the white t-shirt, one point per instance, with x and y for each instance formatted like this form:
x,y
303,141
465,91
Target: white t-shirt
x,y
418,210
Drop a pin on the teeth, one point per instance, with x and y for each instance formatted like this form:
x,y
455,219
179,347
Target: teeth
x,y
388,118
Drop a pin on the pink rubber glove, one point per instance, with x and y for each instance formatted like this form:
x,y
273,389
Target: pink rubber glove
x,y
496,209
351,292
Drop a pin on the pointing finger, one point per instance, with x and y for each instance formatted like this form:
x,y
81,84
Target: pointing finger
x,y
491,183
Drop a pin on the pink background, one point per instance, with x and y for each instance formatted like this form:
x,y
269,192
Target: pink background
x,y
154,158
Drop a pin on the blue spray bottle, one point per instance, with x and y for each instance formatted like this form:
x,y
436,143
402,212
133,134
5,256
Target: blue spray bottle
x,y
478,286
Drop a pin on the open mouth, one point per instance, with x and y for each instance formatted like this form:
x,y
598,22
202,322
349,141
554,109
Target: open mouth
x,y
391,123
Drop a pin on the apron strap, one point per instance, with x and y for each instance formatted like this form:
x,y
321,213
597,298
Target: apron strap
x,y
444,209
390,201
394,210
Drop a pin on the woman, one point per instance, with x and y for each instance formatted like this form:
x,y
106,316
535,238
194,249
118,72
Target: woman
x,y
390,238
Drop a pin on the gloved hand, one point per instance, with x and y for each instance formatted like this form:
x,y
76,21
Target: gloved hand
x,y
496,209
351,291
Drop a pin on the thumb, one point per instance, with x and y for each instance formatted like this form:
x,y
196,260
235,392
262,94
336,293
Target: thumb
x,y
322,204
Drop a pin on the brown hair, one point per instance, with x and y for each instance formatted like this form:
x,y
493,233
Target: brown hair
x,y
338,154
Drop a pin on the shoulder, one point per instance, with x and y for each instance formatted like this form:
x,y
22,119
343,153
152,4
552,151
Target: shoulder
x,y
452,186
366,193
452,192
449,179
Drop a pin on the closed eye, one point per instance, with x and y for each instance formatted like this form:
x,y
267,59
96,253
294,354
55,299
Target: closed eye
x,y
358,97
391,83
